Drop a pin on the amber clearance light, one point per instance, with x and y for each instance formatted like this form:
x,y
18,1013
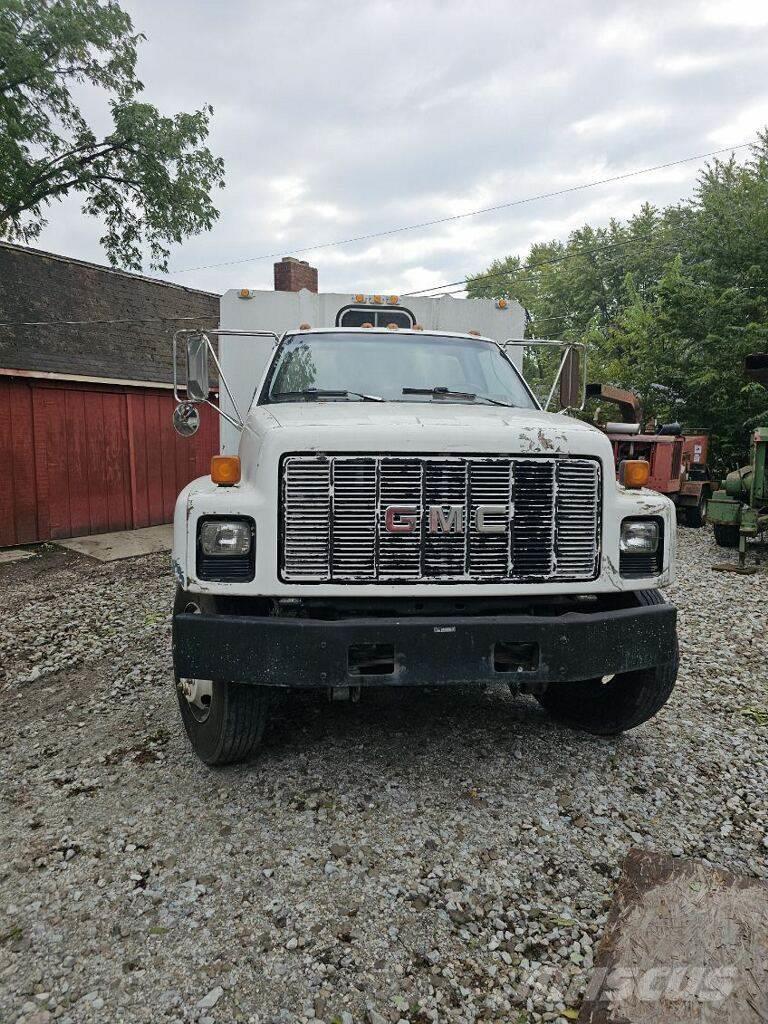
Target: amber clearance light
x,y
634,472
225,470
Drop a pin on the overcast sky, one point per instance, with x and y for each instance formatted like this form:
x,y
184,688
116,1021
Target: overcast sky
x,y
341,118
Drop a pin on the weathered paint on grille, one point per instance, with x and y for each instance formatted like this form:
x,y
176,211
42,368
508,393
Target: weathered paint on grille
x,y
332,518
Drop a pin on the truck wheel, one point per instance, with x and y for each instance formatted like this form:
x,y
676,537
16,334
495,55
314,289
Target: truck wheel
x,y
624,702
224,721
726,535
696,515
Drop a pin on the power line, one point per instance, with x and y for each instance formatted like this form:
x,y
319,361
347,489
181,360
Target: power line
x,y
525,267
545,319
471,213
88,323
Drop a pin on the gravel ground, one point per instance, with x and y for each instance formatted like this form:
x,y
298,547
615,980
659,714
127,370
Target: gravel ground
x,y
416,857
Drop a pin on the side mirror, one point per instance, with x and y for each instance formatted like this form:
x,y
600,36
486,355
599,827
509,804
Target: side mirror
x,y
186,419
198,383
570,381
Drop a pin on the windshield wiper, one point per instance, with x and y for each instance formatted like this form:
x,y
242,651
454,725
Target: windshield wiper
x,y
470,396
326,393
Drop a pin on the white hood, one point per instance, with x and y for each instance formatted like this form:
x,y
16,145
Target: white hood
x,y
423,427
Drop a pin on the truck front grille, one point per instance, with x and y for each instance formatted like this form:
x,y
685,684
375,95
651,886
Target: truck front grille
x,y
546,512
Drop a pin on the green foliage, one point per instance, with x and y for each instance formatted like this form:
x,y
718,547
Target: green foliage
x,y
149,178
668,303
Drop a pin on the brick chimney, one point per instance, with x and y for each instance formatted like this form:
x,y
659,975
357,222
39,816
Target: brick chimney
x,y
291,275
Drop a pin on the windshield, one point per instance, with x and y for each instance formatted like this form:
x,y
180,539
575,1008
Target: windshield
x,y
396,368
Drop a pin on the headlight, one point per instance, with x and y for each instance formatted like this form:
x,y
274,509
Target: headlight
x,y
226,550
639,537
225,537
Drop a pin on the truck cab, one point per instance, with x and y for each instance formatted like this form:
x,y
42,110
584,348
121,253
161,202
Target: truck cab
x,y
392,506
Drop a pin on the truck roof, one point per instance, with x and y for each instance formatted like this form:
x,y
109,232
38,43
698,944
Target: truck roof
x,y
386,330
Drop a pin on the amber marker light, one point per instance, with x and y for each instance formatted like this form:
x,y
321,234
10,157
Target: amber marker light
x,y
392,327
225,470
366,325
634,472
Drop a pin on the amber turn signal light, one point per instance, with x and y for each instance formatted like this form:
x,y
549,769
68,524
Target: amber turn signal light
x,y
225,470
634,472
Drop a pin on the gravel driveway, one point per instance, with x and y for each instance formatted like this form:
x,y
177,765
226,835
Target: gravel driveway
x,y
415,857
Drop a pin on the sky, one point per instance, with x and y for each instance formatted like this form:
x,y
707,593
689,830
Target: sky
x,y
339,119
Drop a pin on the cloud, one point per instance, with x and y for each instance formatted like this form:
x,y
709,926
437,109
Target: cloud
x,y
609,123
743,14
742,125
348,119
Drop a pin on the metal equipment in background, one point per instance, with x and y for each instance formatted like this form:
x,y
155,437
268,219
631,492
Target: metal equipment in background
x,y
678,461
739,510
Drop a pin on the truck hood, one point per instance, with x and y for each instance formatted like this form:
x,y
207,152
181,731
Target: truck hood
x,y
422,427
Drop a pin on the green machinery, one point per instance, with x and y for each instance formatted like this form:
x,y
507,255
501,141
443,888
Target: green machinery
x,y
740,509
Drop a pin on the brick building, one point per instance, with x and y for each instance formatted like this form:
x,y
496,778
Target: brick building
x,y
85,408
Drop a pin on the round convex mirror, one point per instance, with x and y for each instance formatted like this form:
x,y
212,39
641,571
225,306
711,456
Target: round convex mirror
x,y
186,419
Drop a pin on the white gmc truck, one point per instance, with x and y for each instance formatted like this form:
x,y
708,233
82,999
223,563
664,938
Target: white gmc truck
x,y
393,507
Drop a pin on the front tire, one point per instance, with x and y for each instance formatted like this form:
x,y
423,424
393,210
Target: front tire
x,y
224,721
624,702
233,726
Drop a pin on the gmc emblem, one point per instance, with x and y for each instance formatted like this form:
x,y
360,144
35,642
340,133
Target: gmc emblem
x,y
445,519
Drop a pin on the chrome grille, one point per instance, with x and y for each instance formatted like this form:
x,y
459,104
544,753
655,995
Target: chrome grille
x,y
333,518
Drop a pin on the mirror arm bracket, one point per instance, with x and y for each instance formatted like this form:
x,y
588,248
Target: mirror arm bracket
x,y
237,420
567,347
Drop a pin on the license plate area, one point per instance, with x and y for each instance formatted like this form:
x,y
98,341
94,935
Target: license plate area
x,y
371,659
514,656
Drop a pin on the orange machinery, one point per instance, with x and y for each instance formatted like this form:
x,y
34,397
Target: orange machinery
x,y
678,461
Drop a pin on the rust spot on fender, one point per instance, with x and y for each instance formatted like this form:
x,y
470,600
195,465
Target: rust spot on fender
x,y
546,443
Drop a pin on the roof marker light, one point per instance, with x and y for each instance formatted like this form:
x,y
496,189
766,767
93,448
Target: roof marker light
x,y
366,325
392,327
377,299
502,304
245,293
359,298
418,327
475,334
305,327
393,300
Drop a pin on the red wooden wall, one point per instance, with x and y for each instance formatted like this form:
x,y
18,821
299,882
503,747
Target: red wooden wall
x,y
90,458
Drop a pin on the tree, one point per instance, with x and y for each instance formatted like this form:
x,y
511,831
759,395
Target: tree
x,y
668,303
149,177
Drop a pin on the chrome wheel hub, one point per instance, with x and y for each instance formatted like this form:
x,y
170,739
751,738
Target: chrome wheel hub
x,y
198,694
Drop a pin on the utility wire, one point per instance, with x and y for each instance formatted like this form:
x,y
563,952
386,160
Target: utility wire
x,y
471,213
526,267
88,323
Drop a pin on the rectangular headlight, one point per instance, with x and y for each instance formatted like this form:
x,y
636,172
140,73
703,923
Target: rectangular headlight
x,y
225,538
639,537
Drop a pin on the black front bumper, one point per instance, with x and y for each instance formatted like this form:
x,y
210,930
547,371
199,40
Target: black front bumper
x,y
530,650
